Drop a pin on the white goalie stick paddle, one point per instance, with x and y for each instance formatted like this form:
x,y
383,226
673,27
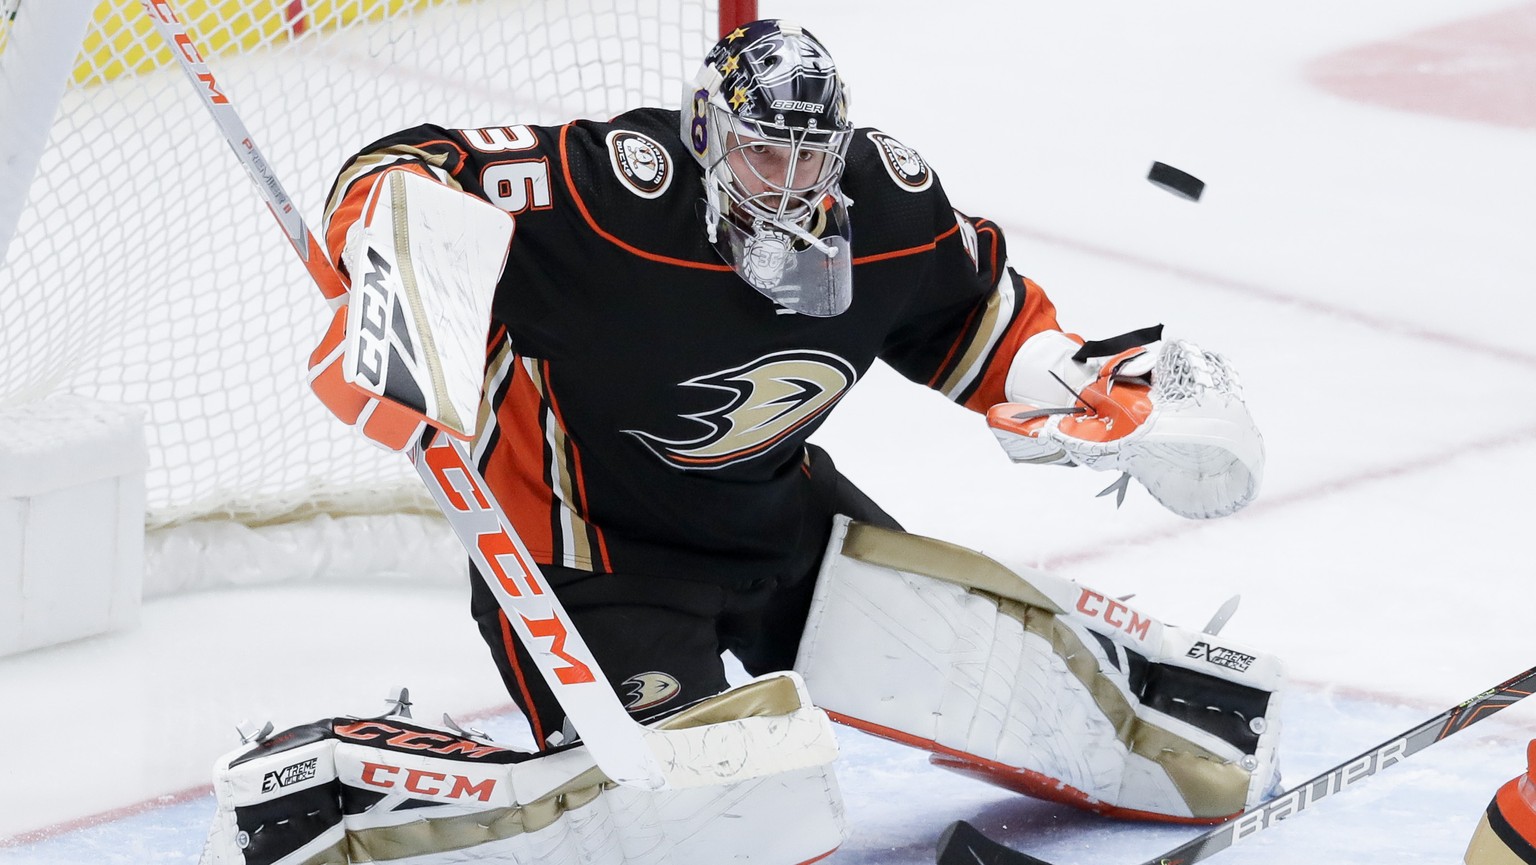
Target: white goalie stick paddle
x,y
624,750
964,844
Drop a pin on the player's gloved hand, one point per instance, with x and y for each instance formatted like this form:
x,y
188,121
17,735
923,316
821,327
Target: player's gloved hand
x,y
1026,425
424,261
1168,414
385,423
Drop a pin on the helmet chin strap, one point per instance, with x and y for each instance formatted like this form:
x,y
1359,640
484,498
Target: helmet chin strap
x,y
711,210
822,246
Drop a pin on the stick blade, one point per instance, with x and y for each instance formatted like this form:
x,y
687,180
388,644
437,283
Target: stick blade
x,y
964,844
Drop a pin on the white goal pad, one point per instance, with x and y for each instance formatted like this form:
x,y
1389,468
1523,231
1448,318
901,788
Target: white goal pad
x,y
1036,683
394,789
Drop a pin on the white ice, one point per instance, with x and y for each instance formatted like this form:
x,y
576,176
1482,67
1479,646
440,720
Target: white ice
x,y
1368,270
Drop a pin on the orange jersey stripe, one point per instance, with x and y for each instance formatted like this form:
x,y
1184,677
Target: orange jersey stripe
x,y
960,342
581,483
1036,314
515,468
509,647
911,250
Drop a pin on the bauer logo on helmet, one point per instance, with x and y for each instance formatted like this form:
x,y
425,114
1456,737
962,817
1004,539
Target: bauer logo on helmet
x,y
767,120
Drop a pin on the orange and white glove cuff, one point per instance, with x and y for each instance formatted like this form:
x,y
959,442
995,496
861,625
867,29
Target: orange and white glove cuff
x,y
1088,423
389,425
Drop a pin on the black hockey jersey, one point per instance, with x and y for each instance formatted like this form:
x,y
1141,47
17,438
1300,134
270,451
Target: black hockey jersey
x,y
647,410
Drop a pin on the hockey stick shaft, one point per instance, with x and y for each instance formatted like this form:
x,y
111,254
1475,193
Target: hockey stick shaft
x,y
962,844
617,743
239,139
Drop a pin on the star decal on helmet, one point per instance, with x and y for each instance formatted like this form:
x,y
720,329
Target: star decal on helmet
x,y
766,119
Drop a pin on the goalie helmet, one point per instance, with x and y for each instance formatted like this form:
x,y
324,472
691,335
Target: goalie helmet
x,y
767,119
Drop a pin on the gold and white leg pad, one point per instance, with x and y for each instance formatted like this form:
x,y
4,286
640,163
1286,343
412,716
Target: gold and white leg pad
x,y
392,789
1036,683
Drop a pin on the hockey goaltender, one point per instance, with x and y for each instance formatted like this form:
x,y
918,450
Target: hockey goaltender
x,y
676,300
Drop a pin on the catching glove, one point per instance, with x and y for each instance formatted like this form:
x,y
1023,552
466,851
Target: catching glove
x,y
1168,414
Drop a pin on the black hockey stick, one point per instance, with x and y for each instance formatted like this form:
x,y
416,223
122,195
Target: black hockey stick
x,y
964,844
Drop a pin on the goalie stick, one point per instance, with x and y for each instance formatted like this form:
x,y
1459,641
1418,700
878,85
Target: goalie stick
x,y
627,752
964,844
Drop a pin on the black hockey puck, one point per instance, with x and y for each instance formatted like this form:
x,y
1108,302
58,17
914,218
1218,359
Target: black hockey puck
x,y
1180,183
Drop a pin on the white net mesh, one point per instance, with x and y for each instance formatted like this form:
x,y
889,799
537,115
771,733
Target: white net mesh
x,y
145,270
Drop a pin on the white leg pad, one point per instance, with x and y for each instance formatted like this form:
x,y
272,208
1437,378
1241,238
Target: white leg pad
x,y
395,790
1035,682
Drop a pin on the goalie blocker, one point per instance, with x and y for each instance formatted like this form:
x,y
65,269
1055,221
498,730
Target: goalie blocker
x,y
1038,684
404,350
392,789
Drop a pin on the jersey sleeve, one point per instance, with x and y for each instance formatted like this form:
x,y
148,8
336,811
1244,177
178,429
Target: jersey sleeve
x,y
971,314
457,158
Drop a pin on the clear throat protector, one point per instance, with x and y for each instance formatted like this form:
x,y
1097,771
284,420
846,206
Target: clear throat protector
x,y
804,269
774,212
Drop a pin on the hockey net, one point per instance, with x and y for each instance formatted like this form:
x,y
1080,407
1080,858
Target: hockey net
x,y
144,270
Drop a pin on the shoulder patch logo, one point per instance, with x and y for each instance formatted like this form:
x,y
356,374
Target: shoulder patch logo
x,y
640,163
766,401
902,162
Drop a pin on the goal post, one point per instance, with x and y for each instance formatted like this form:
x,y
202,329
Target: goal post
x,y
734,13
139,269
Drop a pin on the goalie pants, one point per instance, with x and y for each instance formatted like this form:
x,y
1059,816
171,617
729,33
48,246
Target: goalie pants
x,y
659,639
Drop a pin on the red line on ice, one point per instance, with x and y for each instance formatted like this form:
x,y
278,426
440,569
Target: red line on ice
x,y
1481,69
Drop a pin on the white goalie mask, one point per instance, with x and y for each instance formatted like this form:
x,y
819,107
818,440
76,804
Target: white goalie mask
x,y
767,119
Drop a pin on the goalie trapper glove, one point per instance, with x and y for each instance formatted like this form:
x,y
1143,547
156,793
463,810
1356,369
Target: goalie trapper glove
x,y
1167,413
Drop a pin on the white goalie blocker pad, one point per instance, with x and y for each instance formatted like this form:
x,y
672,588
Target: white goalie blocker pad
x,y
1038,684
424,262
392,789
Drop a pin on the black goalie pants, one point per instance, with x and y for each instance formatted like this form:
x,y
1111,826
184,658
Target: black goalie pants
x,y
660,640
